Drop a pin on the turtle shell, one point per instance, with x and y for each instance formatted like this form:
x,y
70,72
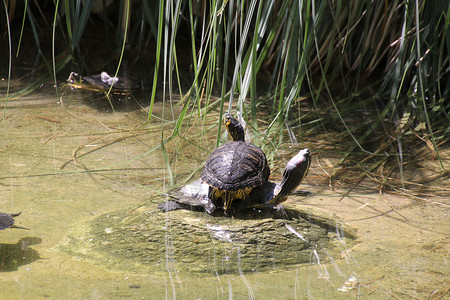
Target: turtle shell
x,y
236,166
121,85
7,221
102,83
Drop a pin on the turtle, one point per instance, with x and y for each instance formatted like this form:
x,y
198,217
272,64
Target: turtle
x,y
236,177
102,83
7,221
104,91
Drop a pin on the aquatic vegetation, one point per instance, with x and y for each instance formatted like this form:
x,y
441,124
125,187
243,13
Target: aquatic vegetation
x,y
369,78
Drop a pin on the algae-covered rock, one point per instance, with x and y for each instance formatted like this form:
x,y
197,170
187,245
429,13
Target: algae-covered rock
x,y
184,240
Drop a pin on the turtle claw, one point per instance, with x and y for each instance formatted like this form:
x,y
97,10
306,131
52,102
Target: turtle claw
x,y
280,212
210,207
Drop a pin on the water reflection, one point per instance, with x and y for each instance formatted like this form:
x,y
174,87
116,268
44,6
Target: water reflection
x,y
12,256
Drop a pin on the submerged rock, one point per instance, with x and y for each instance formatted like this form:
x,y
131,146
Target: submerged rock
x,y
193,241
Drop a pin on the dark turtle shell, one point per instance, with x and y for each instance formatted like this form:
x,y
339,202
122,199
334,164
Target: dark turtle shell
x,y
236,166
7,221
102,83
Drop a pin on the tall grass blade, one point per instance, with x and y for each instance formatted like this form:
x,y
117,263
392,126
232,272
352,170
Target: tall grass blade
x,y
157,58
9,62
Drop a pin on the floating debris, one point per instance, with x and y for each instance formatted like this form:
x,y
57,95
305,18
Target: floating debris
x,y
349,285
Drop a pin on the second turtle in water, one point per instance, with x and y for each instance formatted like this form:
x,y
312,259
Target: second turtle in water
x,y
236,176
7,221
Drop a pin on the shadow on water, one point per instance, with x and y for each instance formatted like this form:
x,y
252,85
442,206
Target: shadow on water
x,y
12,256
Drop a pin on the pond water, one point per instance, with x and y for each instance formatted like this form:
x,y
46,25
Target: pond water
x,y
67,165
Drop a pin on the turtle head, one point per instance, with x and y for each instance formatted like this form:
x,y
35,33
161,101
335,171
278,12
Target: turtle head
x,y
234,128
296,170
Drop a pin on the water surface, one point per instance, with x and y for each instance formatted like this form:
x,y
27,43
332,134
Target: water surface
x,y
64,164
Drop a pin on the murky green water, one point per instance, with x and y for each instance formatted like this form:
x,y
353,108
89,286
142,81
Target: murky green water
x,y
67,165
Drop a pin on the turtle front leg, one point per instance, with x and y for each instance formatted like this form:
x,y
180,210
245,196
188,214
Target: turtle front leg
x,y
209,206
